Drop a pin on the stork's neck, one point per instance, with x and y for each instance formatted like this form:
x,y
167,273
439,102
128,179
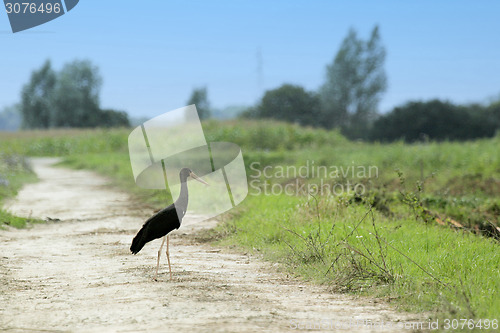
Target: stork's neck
x,y
182,202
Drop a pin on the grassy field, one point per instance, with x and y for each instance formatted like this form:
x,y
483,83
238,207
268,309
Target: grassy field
x,y
422,234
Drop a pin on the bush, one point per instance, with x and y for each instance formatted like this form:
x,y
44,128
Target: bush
x,y
289,103
435,120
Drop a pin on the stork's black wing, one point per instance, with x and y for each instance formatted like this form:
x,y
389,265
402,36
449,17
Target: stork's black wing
x,y
155,227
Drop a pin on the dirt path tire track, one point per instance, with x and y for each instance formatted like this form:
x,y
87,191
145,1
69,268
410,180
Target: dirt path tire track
x,y
77,275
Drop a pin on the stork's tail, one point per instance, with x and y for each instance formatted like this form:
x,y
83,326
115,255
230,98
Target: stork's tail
x,y
138,242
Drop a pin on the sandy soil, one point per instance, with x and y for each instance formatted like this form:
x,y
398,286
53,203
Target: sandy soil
x,y
77,274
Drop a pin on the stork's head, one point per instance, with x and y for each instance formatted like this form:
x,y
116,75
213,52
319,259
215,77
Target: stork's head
x,y
186,172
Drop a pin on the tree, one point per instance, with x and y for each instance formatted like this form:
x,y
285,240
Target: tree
x,y
69,98
493,114
113,118
36,98
290,103
355,82
76,96
199,97
435,120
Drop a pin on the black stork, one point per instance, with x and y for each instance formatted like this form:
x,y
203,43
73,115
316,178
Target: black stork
x,y
162,223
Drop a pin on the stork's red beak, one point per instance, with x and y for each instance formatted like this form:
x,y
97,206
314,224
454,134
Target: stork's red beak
x,y
192,174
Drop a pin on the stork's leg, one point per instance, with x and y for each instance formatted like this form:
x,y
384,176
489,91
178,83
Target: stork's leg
x,y
168,257
158,261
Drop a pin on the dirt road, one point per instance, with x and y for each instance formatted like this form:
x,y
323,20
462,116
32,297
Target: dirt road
x,y
77,274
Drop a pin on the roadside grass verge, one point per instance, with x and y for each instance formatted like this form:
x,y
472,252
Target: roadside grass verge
x,y
353,248
14,173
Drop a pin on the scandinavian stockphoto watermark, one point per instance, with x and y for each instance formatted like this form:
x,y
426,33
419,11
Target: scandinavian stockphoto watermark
x,y
164,145
446,324
26,14
310,178
361,324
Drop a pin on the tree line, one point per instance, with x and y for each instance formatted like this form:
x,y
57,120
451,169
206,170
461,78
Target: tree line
x,y
349,98
437,120
68,98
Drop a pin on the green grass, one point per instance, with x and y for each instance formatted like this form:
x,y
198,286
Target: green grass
x,y
270,135
14,173
63,142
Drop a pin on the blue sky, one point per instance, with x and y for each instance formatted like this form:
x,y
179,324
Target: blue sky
x,y
151,54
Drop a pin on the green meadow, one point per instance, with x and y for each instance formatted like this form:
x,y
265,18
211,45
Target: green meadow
x,y
421,230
